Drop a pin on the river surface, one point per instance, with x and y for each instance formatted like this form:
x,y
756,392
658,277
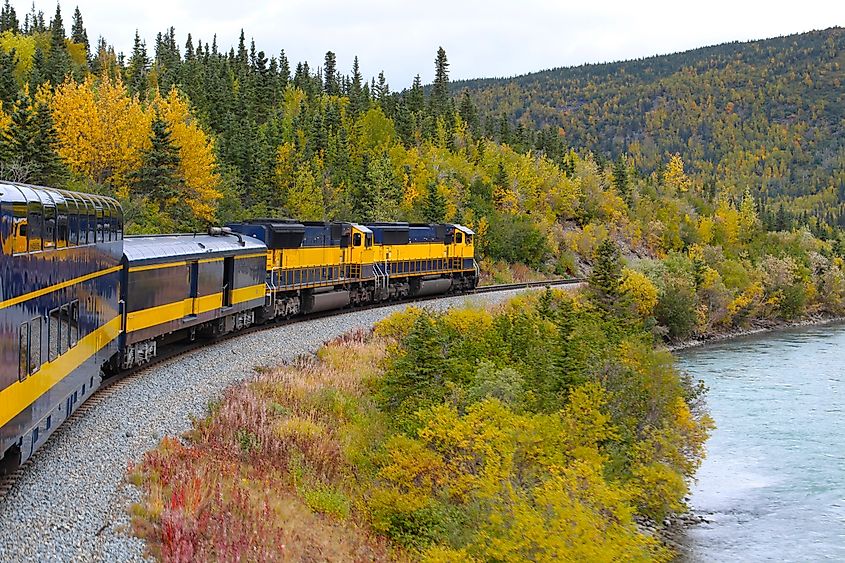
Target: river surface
x,y
773,485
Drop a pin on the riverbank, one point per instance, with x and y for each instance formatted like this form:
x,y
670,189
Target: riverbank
x,y
772,481
758,326
439,436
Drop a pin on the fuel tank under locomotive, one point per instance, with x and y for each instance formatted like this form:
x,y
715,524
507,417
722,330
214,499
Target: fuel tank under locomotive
x,y
420,288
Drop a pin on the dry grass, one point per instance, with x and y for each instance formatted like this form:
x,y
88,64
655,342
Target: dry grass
x,y
263,477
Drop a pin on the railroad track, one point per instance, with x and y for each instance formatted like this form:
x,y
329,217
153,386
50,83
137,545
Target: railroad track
x,y
113,384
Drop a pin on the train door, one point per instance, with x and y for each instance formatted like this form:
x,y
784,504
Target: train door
x,y
194,271
228,280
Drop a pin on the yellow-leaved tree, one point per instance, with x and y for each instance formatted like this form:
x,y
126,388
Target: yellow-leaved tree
x,y
197,164
675,177
101,129
305,198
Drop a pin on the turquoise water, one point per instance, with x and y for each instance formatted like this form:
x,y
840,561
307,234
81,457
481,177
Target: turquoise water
x,y
773,485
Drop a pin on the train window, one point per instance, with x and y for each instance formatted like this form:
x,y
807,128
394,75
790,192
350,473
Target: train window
x,y
74,322
54,334
368,240
64,330
34,223
469,240
459,238
101,227
92,225
23,351
34,345
19,240
61,226
107,222
356,239
73,224
49,234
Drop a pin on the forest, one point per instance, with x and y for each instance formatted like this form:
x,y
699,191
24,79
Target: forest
x,y
189,134
765,116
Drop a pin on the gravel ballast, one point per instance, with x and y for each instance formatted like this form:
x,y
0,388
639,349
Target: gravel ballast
x,y
71,504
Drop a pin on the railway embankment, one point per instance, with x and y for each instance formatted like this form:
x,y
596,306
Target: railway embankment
x,y
70,503
544,428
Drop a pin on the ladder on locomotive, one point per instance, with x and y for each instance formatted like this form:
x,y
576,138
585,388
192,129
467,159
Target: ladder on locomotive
x,y
382,276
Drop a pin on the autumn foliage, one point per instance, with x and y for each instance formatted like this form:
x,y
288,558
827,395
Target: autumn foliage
x,y
470,435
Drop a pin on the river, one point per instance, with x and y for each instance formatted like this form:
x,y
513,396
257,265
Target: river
x,y
773,485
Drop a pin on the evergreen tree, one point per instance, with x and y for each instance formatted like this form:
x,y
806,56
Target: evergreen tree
x,y
48,167
9,19
77,31
139,64
606,276
416,97
58,62
435,204
357,103
440,101
28,145
38,74
332,87
620,178
284,70
8,84
469,114
158,178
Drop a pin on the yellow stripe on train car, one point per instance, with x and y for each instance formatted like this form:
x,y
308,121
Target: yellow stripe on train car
x,y
161,314
56,287
18,396
244,294
157,266
145,318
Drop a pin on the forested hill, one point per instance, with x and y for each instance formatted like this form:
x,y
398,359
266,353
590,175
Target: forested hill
x,y
766,115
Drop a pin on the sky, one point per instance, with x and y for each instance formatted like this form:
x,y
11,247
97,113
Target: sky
x,y
481,38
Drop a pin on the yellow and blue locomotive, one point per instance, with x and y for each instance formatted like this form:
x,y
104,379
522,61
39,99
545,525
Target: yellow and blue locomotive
x,y
79,301
317,266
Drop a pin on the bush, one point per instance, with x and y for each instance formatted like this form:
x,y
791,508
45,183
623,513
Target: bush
x,y
515,238
676,309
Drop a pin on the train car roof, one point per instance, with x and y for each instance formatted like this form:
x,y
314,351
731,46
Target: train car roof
x,y
167,248
465,230
20,193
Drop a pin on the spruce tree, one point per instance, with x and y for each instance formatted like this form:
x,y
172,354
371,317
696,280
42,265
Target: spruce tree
x,y
416,97
28,145
435,205
48,167
8,84
606,276
58,62
440,102
9,19
469,114
620,178
332,88
158,178
77,31
139,64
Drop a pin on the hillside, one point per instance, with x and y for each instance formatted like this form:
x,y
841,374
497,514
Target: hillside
x,y
764,115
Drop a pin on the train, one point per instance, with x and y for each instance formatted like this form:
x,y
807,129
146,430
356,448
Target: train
x,y
80,301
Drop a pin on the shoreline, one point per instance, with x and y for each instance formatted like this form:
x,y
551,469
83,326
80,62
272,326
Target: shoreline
x,y
673,530
758,326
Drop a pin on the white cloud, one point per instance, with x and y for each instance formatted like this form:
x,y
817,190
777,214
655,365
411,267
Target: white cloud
x,y
481,38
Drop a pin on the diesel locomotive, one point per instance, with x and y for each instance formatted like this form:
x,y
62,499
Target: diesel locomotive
x,y
80,302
